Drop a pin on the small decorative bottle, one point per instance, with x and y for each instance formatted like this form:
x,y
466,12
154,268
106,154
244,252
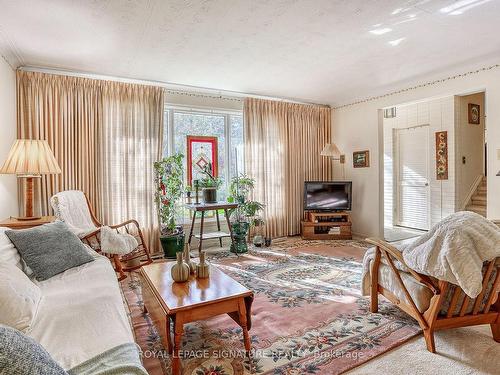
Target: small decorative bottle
x,y
202,269
197,189
180,270
187,258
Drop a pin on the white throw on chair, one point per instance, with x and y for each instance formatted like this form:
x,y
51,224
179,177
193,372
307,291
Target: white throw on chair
x,y
123,242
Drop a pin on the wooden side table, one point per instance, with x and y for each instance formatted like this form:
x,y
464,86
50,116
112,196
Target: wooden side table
x,y
14,223
203,207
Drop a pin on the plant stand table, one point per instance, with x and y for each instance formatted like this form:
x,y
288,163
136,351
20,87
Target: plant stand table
x,y
203,207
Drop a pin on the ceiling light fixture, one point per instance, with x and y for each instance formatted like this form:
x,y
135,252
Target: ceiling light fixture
x,y
382,31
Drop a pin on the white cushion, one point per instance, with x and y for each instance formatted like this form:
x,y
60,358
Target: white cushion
x,y
8,253
19,297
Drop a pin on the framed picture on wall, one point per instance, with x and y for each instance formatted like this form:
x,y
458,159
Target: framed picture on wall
x,y
361,159
474,114
442,155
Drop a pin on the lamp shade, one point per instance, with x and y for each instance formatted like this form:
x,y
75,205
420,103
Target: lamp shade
x,y
330,149
30,157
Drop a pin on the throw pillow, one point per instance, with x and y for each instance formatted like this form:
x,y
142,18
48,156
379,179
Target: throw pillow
x,y
19,297
49,249
20,355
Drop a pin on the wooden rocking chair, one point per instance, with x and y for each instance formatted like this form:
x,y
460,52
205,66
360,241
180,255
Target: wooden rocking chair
x,y
79,202
449,306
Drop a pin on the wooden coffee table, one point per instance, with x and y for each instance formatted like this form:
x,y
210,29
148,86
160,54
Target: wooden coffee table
x,y
196,299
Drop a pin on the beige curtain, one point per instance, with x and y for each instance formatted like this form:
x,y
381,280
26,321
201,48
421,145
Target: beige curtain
x,y
283,142
64,111
105,136
131,141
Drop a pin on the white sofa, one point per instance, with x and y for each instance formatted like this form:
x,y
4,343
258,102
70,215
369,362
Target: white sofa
x,y
81,313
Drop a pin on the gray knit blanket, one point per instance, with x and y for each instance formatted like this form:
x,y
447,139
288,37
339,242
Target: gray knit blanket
x,y
120,360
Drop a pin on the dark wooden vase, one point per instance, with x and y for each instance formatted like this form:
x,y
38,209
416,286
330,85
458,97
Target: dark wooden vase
x,y
210,195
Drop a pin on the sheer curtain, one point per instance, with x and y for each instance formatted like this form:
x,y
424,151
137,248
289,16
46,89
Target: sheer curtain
x,y
131,141
105,136
283,142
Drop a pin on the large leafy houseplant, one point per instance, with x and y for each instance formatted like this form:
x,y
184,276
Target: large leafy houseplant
x,y
169,188
247,214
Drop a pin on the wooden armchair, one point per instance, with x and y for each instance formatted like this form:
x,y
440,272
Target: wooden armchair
x,y
448,307
77,212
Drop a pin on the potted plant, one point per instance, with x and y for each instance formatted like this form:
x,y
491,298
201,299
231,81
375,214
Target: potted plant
x,y
246,215
209,184
169,181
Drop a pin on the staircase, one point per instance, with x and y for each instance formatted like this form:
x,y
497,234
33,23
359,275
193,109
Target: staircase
x,y
477,203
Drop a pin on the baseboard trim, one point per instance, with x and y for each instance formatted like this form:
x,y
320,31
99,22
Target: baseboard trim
x,y
360,236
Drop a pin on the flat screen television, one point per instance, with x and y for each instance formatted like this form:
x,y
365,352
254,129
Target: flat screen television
x,y
327,196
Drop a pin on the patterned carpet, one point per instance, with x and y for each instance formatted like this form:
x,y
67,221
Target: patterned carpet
x,y
307,318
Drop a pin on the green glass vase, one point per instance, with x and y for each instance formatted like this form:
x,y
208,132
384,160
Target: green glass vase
x,y
240,232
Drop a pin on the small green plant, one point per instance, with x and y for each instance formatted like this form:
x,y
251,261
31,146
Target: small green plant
x,y
209,180
169,182
248,210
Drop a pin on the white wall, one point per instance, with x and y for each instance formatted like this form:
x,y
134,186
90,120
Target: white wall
x,y
8,184
439,115
356,127
470,143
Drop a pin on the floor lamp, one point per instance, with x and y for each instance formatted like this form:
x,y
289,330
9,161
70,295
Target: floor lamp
x,y
30,159
331,150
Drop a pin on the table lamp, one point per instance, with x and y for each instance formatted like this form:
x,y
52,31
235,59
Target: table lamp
x,y
30,159
333,151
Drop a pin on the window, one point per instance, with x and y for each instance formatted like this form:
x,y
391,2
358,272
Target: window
x,y
211,133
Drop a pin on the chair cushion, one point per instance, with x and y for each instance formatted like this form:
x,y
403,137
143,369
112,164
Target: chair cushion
x,y
49,249
19,297
20,355
420,293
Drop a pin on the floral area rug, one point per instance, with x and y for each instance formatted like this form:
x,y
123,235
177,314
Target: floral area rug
x,y
307,317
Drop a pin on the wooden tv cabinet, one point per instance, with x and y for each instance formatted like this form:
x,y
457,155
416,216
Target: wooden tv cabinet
x,y
327,226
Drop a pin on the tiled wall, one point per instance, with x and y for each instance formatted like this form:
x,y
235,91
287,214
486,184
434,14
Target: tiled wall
x,y
439,115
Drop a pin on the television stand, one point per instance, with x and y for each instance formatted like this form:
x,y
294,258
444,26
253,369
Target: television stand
x,y
327,226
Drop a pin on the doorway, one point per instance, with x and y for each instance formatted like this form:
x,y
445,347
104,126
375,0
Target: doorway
x,y
415,195
412,177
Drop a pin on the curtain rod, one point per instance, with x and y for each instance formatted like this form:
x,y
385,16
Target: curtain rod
x,y
173,88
